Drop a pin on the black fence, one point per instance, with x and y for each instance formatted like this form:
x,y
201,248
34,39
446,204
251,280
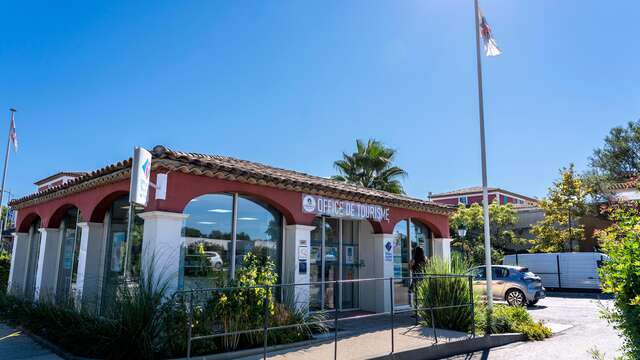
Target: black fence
x,y
195,300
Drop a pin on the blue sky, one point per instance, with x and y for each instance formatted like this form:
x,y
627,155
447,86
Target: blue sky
x,y
294,83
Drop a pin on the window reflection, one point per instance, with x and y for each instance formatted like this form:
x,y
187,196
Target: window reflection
x,y
259,230
208,233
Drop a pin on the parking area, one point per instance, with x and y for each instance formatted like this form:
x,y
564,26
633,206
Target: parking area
x,y
588,330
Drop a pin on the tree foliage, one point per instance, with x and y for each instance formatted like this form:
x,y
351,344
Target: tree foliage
x,y
502,218
371,166
619,158
563,207
621,274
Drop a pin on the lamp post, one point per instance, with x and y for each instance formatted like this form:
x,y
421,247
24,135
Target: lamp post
x,y
462,232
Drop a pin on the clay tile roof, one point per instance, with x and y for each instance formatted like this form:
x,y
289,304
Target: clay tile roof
x,y
463,191
233,169
624,185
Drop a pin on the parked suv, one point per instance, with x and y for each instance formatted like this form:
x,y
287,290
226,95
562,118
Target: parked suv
x,y
515,284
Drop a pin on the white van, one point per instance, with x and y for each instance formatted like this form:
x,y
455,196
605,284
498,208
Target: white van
x,y
562,270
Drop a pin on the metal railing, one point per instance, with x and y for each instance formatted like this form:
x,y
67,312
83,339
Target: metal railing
x,y
198,297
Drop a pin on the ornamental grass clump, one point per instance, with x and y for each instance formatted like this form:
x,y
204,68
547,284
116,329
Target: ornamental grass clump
x,y
435,291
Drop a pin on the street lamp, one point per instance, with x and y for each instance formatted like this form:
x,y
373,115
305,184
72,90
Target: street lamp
x,y
462,231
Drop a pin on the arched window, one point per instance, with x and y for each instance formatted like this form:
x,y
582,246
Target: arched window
x,y
68,265
409,234
121,255
32,264
220,230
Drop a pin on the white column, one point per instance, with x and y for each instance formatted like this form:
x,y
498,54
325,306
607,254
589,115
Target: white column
x,y
297,252
48,262
442,248
19,263
383,268
162,244
90,265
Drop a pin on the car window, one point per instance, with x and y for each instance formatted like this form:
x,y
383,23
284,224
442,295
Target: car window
x,y
499,273
478,274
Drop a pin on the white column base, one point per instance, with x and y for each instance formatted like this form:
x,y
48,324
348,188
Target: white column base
x,y
442,248
382,264
48,262
90,265
297,243
162,244
19,264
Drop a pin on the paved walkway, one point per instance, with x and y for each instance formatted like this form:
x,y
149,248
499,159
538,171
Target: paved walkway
x,y
583,329
366,338
16,345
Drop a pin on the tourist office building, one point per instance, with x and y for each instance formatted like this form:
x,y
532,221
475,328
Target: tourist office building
x,y
204,215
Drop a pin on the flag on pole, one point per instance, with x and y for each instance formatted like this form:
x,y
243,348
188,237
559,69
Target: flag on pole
x,y
13,135
490,46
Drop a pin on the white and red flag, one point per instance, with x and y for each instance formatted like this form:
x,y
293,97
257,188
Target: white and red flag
x,y
13,135
490,46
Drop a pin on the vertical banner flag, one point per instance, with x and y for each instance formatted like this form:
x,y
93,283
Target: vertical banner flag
x,y
13,135
490,46
140,176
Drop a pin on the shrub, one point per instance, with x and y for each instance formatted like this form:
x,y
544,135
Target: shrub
x,y
621,275
445,291
5,265
536,331
510,319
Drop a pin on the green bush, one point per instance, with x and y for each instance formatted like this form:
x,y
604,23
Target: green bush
x,y
510,319
143,323
536,331
621,275
5,265
445,291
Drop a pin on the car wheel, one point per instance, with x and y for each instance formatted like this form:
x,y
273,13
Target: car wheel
x,y
532,303
516,297
218,266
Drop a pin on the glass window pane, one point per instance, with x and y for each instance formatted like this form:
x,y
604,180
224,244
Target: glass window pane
x,y
207,232
259,230
315,266
116,252
401,263
331,267
421,236
34,253
68,256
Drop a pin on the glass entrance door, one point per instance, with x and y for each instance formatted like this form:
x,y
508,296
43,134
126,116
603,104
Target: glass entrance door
x,y
350,264
334,256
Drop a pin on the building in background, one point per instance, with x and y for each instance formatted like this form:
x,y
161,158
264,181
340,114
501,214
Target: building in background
x,y
58,179
473,195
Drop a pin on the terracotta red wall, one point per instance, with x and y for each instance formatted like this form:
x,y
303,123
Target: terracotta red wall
x,y
181,188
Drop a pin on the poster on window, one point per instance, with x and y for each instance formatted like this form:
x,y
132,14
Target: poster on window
x,y
349,255
315,255
117,251
332,254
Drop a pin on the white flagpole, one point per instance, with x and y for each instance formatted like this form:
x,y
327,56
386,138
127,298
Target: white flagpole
x,y
483,152
6,161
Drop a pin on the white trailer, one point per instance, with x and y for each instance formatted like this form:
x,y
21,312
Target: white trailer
x,y
562,270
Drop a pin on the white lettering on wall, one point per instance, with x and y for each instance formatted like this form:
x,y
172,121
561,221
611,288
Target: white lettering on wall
x,y
319,205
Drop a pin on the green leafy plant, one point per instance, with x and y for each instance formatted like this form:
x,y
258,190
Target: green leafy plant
x,y
565,203
445,291
510,319
503,238
5,265
621,275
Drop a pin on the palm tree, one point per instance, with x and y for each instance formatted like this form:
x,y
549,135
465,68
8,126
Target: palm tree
x,y
371,166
